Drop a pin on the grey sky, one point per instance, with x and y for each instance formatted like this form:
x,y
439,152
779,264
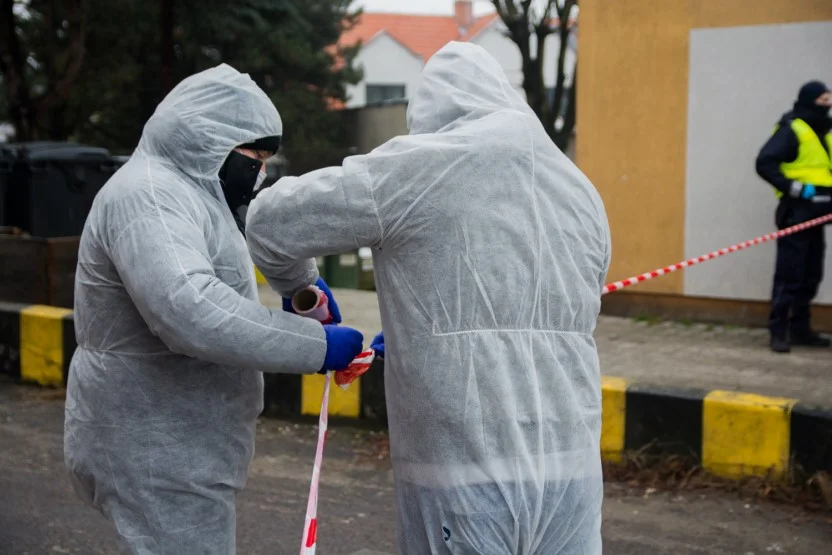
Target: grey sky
x,y
441,7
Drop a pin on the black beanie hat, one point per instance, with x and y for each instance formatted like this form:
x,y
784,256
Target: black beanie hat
x,y
810,92
269,144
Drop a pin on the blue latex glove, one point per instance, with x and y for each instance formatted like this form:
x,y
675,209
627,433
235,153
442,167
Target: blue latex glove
x,y
378,344
334,311
343,344
808,192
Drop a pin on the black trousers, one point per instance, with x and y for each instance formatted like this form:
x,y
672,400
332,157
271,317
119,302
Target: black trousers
x,y
799,269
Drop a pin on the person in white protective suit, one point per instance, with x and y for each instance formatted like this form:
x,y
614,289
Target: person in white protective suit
x,y
490,251
166,383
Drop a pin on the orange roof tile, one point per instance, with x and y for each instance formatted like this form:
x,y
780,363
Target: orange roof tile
x,y
423,35
480,24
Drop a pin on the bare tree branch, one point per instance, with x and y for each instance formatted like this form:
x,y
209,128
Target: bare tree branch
x,y
547,13
542,30
564,29
505,8
516,23
563,136
523,22
565,10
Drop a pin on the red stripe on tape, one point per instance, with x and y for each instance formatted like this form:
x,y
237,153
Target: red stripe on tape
x,y
312,537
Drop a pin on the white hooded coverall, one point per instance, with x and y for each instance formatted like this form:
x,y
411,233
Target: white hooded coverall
x,y
166,384
490,254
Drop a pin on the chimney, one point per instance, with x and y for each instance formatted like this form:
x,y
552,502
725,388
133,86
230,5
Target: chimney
x,y
464,15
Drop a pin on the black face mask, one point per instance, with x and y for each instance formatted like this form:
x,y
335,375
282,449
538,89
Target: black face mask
x,y
238,176
813,109
816,116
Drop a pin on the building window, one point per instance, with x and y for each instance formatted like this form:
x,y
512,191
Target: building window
x,y
379,94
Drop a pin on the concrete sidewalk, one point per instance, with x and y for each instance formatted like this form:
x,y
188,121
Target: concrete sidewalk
x,y
669,354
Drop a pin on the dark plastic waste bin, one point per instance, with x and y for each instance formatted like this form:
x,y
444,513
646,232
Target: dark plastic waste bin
x,y
51,187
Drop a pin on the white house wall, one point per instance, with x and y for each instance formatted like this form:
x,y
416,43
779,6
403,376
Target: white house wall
x,y
385,62
742,79
504,51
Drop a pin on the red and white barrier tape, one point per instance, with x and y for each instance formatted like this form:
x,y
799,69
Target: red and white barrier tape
x,y
618,285
344,378
310,528
357,367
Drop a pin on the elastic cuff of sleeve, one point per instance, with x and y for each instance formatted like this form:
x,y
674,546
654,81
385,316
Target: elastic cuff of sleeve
x,y
310,279
796,189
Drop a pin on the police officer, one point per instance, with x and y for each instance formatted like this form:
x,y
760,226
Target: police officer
x,y
797,162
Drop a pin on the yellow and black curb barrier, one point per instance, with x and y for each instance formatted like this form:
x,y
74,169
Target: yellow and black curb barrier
x,y
728,433
36,343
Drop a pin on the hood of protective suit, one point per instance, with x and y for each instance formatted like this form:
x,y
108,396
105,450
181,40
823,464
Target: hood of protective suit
x,y
203,119
490,252
461,82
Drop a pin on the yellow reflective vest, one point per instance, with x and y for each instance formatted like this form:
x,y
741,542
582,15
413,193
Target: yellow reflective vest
x,y
813,163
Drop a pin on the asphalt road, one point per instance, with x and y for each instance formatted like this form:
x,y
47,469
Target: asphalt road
x,y
39,513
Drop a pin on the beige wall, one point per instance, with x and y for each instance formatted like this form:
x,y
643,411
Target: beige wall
x,y
632,107
372,126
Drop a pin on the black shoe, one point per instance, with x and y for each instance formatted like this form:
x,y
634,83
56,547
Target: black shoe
x,y
780,344
811,339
